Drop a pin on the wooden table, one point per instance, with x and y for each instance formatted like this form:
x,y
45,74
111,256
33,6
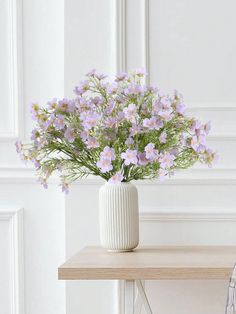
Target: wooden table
x,y
150,263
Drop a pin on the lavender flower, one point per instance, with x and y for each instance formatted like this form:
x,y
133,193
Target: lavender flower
x,y
108,153
81,88
166,160
34,110
130,157
70,134
19,146
90,120
181,108
121,131
92,142
52,104
207,127
162,174
66,105
135,129
121,77
59,122
65,187
140,72
130,112
129,141
104,164
151,152
163,137
142,159
116,178
153,123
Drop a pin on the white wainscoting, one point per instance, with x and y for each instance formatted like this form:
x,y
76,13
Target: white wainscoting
x,y
12,76
32,69
195,207
11,241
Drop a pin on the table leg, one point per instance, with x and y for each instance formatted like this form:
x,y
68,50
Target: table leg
x,y
129,296
143,296
138,302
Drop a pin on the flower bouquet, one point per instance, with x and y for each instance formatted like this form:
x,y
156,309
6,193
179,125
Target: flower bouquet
x,y
120,131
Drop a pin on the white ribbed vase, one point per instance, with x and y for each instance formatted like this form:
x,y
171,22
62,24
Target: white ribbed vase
x,y
119,216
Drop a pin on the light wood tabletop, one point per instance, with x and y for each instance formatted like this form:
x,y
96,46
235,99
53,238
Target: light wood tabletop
x,y
163,262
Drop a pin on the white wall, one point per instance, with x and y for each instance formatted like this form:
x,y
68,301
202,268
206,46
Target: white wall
x,y
31,68
46,47
184,45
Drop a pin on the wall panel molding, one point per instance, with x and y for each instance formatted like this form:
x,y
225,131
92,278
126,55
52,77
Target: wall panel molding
x,y
195,176
15,219
16,70
121,35
146,40
192,215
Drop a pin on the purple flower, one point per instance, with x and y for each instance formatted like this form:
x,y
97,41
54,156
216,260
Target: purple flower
x,y
134,89
144,109
130,157
70,134
207,127
166,115
108,153
112,88
130,112
92,142
66,105
198,143
34,110
163,137
140,72
52,104
121,77
135,129
166,160
151,152
84,135
104,164
35,135
36,163
110,123
91,72
45,121
202,139
83,105
96,100
166,103
65,188
142,160
211,157
129,141
59,122
100,76
120,116
116,178
90,120
81,88
196,126
19,146
156,107
153,123
181,108
110,107
39,141
183,139
44,183
162,174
